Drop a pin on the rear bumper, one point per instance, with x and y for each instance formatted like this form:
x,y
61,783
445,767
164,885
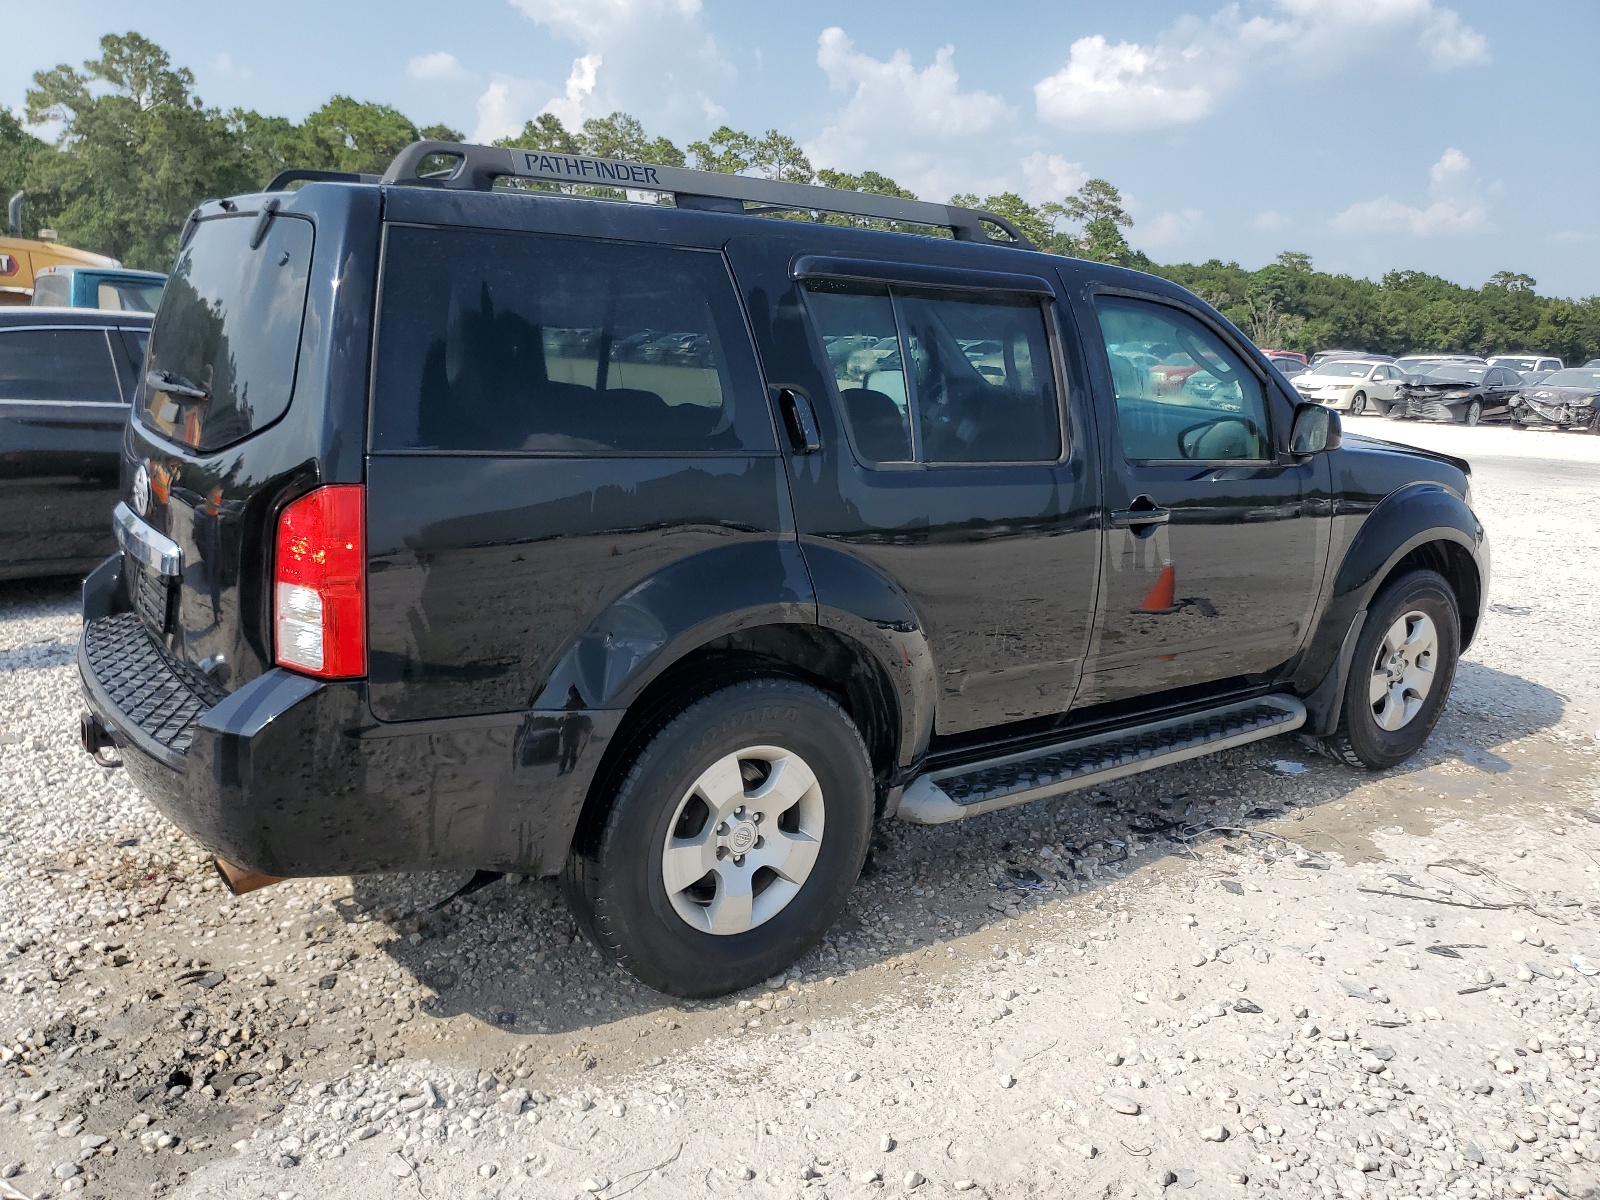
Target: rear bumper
x,y
290,776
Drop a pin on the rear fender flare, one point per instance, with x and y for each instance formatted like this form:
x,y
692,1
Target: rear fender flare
x,y
680,608
860,603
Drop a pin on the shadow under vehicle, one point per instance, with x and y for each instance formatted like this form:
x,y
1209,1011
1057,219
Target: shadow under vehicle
x,y
670,548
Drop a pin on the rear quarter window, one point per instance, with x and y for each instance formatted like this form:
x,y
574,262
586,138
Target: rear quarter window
x,y
514,342
57,364
228,326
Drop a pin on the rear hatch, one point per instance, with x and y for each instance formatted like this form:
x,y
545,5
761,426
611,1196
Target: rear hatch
x,y
249,397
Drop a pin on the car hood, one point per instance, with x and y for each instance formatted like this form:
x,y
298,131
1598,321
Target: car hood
x,y
1372,445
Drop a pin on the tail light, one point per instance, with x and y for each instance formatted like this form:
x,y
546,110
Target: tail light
x,y
8,265
320,584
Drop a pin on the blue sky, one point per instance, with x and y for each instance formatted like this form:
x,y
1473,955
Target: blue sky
x,y
1457,138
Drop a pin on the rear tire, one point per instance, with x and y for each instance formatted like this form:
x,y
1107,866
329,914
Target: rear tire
x,y
731,844
1400,676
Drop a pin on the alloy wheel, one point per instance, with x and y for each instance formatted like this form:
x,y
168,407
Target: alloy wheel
x,y
1402,675
743,840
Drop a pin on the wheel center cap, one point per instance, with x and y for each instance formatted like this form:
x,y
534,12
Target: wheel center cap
x,y
742,837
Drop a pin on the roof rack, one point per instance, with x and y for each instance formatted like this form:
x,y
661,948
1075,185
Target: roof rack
x,y
476,168
282,180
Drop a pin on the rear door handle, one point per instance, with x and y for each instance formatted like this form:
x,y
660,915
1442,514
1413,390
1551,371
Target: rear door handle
x,y
1146,514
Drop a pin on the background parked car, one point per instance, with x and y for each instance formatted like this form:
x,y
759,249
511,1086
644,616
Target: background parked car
x,y
1325,355
1289,362
1410,364
66,380
116,288
1525,363
1456,391
1569,398
1352,385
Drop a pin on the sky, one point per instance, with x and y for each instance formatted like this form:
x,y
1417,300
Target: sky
x,y
1374,135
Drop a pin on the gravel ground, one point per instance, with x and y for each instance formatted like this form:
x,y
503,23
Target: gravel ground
x,y
1252,975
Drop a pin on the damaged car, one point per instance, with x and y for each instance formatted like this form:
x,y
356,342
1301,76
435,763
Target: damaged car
x,y
1458,392
1569,399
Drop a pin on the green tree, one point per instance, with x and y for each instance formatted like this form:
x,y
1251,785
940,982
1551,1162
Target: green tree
x,y
17,149
545,132
726,150
136,150
352,135
622,136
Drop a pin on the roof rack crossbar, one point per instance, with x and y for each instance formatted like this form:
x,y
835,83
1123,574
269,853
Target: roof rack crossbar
x,y
478,167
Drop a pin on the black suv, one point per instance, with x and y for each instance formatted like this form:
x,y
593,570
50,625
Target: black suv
x,y
472,525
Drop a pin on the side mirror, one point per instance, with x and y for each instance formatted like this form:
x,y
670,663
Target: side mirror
x,y
1315,429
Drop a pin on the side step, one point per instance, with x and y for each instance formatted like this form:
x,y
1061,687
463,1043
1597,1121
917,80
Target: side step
x,y
981,787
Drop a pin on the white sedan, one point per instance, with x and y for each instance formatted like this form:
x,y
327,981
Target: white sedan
x,y
1353,385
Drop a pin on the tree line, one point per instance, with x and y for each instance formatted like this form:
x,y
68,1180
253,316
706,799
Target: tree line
x,y
135,149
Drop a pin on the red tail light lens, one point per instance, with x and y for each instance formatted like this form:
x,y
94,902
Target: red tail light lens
x,y
8,265
320,584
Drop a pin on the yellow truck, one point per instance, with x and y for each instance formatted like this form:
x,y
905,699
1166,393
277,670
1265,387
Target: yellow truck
x,y
21,258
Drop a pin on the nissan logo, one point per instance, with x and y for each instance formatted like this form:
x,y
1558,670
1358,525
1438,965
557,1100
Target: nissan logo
x,y
141,490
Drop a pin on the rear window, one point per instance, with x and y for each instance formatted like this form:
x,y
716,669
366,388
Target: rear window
x,y
57,365
127,295
517,342
226,338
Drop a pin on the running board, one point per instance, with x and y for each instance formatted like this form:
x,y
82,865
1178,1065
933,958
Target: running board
x,y
981,787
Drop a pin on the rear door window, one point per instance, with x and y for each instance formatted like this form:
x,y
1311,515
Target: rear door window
x,y
515,342
226,338
982,382
57,365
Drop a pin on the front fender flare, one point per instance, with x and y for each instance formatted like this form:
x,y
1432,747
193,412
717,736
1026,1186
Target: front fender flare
x,y
1410,517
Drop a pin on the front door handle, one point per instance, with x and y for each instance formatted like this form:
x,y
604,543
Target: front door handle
x,y
800,421
1145,512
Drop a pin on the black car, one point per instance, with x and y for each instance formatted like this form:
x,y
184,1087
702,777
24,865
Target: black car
x,y
1569,398
1456,391
445,571
67,376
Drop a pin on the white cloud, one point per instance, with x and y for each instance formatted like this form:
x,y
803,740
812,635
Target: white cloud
x,y
1168,228
1271,221
505,106
1125,86
1188,69
653,58
599,20
439,67
1050,177
580,86
1456,205
900,119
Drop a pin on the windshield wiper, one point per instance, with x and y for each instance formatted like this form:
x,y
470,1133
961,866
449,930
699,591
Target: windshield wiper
x,y
175,385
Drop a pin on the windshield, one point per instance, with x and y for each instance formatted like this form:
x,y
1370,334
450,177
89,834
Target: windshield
x,y
1516,364
1343,370
1452,372
1578,377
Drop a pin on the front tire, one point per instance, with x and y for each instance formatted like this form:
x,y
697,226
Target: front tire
x,y
1473,413
1404,664
1358,404
731,844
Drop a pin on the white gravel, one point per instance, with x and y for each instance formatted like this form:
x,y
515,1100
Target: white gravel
x,y
1381,989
